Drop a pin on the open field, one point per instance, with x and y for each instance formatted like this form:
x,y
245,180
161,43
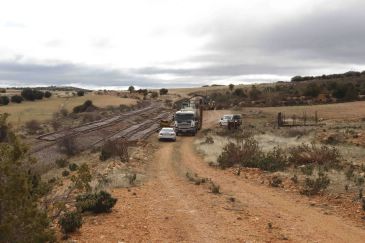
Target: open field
x,y
43,110
169,201
345,111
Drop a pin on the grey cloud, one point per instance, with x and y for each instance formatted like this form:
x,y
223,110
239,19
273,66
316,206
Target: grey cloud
x,y
67,73
334,36
328,38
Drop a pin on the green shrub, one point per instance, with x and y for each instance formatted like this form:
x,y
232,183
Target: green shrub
x,y
17,99
21,218
231,155
114,148
65,173
4,100
250,155
80,93
163,91
73,167
97,203
274,160
315,186
67,145
47,94
32,94
86,107
307,169
105,154
61,163
154,94
70,222
33,126
328,157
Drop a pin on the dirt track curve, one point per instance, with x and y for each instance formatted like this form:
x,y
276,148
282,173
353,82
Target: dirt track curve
x,y
169,208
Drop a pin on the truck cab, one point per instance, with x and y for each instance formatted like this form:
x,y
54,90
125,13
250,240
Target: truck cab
x,y
185,122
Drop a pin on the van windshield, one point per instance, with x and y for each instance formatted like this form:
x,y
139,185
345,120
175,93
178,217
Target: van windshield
x,y
184,117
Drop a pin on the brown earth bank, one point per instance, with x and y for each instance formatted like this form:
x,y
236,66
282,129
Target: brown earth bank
x,y
170,208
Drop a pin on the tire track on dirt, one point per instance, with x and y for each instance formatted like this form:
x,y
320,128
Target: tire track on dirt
x,y
196,214
289,216
168,208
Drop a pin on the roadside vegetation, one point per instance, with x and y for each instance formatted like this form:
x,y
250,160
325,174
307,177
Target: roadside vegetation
x,y
323,89
316,161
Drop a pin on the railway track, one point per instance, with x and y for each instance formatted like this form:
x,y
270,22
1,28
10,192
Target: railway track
x,y
92,135
95,125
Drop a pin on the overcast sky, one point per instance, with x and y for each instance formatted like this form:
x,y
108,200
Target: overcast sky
x,y
177,43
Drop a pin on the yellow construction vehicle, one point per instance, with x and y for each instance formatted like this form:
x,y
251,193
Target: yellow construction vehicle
x,y
165,123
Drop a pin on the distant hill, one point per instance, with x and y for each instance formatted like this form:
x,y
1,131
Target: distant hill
x,y
53,88
333,88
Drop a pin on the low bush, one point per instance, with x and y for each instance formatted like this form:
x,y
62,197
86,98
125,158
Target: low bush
x,y
315,186
33,126
56,124
32,94
17,99
274,160
196,179
73,167
214,188
250,155
230,156
307,169
65,173
276,181
349,171
80,93
4,100
360,180
91,116
163,91
47,94
100,202
86,107
64,112
70,222
62,163
154,94
67,145
114,148
328,157
294,179
209,140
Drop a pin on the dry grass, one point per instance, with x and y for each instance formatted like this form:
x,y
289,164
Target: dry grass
x,y
44,109
345,111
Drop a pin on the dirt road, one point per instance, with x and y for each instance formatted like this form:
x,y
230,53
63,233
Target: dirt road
x,y
169,208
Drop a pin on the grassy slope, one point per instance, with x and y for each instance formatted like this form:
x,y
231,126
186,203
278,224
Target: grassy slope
x,y
44,109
